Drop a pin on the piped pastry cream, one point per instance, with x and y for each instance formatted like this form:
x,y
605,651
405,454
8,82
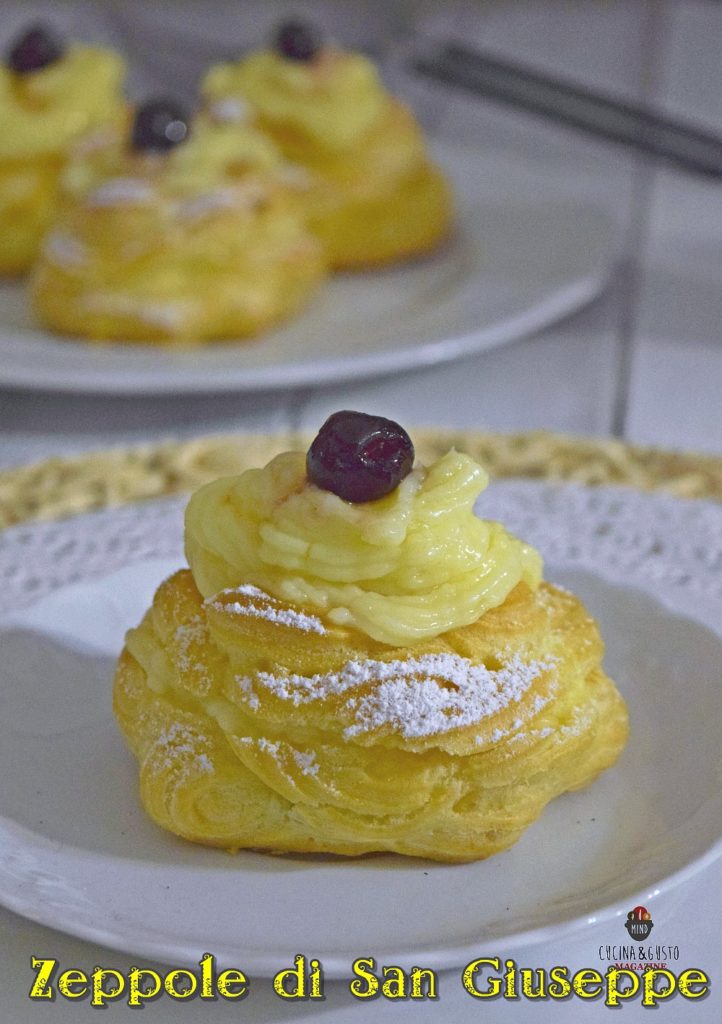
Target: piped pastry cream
x,y
327,677
376,195
404,568
50,94
176,231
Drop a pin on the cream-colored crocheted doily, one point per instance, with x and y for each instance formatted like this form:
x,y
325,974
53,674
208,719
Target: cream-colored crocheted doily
x,y
62,487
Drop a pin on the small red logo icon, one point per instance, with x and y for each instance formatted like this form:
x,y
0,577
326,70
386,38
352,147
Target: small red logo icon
x,y
639,923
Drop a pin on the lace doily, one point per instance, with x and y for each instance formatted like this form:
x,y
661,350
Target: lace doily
x,y
616,531
64,487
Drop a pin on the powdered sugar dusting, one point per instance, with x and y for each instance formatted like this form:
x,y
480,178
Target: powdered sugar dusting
x,y
423,706
208,202
295,176
304,760
168,316
230,110
192,632
245,685
121,192
535,734
179,739
64,250
251,194
422,696
262,606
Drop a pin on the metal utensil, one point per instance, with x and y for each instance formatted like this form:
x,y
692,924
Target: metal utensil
x,y
564,101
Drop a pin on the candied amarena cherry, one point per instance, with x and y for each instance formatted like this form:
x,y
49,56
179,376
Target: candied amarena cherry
x,y
297,40
159,125
34,49
359,457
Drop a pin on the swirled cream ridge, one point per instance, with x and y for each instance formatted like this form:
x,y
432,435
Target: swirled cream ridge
x,y
334,100
401,569
215,154
42,112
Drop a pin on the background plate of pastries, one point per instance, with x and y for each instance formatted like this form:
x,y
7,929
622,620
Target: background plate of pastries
x,y
292,226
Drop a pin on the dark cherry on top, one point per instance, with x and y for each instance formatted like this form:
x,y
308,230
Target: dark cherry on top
x,y
159,125
359,457
298,40
37,47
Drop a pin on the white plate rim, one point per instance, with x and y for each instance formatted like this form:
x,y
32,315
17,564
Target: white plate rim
x,y
265,964
556,308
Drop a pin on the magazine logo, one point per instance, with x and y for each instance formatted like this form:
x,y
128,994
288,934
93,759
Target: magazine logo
x,y
639,954
639,923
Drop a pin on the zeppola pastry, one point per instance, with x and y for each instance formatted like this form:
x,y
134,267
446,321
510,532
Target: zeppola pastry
x,y
376,197
355,662
49,95
175,231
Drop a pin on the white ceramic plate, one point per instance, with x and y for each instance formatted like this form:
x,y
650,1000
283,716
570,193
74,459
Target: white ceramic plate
x,y
77,852
518,262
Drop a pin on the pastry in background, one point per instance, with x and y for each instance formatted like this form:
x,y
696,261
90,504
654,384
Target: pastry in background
x,y
50,93
176,231
376,197
355,662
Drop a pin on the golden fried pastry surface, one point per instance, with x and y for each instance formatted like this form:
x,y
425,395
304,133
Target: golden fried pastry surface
x,y
41,114
257,724
200,243
375,196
